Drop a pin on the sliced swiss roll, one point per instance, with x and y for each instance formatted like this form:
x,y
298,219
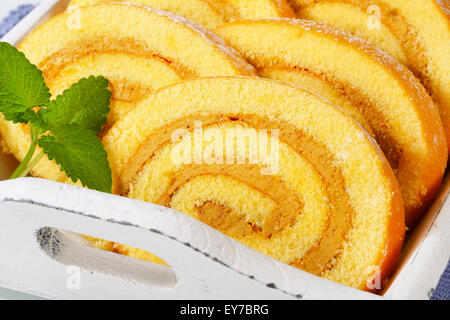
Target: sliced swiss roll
x,y
210,14
416,32
272,165
138,49
374,88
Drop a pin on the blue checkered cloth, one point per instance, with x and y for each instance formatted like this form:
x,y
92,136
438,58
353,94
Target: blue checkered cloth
x,y
442,291
14,17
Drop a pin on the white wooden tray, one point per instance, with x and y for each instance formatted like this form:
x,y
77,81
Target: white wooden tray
x,y
42,253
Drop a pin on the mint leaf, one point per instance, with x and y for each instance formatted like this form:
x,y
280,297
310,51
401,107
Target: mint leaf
x,y
81,154
70,122
86,104
22,86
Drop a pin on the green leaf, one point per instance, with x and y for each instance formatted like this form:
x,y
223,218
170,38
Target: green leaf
x,y
22,86
81,154
86,104
73,119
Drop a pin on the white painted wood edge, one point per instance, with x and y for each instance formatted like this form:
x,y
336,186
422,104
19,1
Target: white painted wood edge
x,y
207,264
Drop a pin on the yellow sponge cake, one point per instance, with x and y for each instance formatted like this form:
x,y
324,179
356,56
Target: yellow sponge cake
x,y
323,198
416,32
138,48
399,112
211,14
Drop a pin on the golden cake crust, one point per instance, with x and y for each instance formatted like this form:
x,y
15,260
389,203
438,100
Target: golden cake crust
x,y
209,13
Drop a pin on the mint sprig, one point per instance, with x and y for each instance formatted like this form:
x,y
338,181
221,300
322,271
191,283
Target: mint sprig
x,y
65,128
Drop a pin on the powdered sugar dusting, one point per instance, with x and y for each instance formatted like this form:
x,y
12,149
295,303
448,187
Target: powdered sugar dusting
x,y
445,7
361,44
209,36
418,95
